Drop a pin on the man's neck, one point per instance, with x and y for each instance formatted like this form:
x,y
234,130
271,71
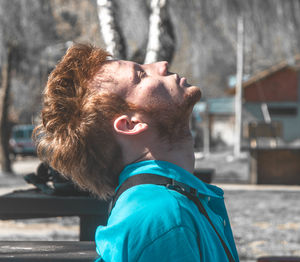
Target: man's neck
x,y
181,154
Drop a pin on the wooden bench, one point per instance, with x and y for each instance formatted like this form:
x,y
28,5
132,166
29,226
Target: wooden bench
x,y
34,204
50,251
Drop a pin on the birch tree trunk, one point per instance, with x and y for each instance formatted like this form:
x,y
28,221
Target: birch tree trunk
x,y
155,23
4,105
109,28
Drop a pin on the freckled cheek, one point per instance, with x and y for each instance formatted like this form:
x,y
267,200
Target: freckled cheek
x,y
162,92
153,87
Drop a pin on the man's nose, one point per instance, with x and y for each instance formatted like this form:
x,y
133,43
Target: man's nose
x,y
162,67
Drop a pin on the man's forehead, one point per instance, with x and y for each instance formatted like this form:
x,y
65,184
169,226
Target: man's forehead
x,y
105,78
120,70
118,64
114,75
109,65
109,70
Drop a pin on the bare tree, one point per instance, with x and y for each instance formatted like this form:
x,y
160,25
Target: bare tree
x,y
4,107
21,55
155,25
9,38
109,28
160,42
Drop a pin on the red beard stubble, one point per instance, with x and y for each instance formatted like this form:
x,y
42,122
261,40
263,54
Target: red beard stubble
x,y
172,120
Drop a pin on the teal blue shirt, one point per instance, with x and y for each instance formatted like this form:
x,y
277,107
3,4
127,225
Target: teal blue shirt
x,y
154,223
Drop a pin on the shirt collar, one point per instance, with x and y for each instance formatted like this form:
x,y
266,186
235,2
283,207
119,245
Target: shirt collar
x,y
172,171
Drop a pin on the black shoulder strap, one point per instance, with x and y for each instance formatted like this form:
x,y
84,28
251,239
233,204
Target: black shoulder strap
x,y
135,180
189,192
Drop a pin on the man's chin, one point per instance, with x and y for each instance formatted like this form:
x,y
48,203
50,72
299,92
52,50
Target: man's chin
x,y
193,96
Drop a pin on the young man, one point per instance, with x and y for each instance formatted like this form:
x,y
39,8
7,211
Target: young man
x,y
107,121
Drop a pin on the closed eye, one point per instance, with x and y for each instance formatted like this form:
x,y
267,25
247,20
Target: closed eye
x,y
141,74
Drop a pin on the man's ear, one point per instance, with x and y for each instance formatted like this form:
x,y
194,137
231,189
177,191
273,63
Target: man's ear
x,y
127,125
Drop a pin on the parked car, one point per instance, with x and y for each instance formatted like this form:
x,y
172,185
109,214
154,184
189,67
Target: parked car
x,y
20,142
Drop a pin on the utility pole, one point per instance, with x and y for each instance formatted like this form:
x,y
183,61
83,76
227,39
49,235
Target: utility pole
x,y
238,89
206,131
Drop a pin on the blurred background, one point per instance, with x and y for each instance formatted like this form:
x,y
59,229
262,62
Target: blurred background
x,y
244,55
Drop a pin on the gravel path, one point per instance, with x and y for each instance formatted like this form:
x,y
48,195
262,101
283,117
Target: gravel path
x,y
265,222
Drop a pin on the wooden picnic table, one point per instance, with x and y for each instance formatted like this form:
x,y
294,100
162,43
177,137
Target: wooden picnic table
x,y
278,165
24,204
50,251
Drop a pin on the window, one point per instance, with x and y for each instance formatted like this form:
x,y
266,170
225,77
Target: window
x,y
283,111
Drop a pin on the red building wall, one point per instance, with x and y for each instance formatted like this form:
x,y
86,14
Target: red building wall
x,y
279,86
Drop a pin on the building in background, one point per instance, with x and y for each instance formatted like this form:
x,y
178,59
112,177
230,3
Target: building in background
x,y
271,108
273,96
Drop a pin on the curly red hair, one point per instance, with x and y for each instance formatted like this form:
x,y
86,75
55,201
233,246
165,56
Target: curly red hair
x,y
76,133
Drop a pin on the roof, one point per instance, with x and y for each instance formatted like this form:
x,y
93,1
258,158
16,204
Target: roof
x,y
295,65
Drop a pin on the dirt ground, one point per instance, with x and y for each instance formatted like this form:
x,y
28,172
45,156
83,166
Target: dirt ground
x,y
265,220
